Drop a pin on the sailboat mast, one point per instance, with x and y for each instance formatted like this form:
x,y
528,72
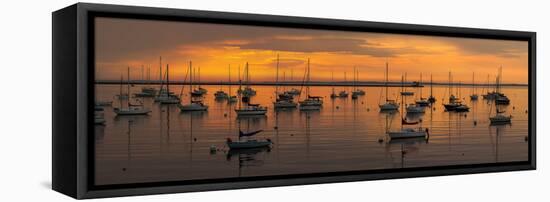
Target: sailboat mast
x,y
420,84
402,103
128,85
308,78
332,78
431,85
120,92
386,83
167,79
190,81
229,80
277,79
160,69
473,80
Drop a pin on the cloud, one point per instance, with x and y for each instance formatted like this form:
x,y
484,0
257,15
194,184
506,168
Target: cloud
x,y
312,44
502,48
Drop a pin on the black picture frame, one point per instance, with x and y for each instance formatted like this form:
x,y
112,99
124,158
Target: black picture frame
x,y
73,93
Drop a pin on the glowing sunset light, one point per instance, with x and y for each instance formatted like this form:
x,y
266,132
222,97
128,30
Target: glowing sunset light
x,y
122,42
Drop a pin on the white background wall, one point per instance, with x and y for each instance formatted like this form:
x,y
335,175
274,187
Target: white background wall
x,y
25,100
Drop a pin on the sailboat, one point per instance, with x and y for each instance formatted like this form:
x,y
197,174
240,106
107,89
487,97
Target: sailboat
x,y
245,141
249,109
413,107
356,91
454,102
146,91
423,102
247,91
220,94
500,98
131,109
389,105
344,93
431,99
474,95
407,132
293,91
194,104
333,94
404,91
461,107
199,91
282,100
231,98
168,97
499,118
121,95
311,102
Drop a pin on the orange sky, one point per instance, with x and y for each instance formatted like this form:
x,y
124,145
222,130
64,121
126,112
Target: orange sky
x,y
122,42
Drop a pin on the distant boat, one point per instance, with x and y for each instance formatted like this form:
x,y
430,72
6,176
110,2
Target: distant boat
x,y
130,109
500,98
167,97
121,95
247,91
146,91
389,105
404,91
164,96
333,94
431,99
474,95
231,98
454,102
194,104
249,109
422,102
356,91
282,100
311,102
343,94
220,95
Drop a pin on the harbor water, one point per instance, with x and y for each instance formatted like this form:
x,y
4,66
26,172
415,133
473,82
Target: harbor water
x,y
345,135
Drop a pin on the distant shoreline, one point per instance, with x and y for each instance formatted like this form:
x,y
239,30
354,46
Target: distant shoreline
x,y
312,83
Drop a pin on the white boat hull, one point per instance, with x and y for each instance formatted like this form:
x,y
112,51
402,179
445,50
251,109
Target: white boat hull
x,y
131,111
244,112
283,104
407,133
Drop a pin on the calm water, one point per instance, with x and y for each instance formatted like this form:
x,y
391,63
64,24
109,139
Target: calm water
x,y
168,145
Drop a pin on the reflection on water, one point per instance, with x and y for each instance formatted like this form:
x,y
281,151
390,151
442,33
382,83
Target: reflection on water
x,y
344,135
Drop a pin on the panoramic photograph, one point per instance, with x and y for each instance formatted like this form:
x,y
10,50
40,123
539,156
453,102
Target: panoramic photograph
x,y
177,101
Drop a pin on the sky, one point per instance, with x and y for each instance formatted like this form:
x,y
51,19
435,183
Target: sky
x,y
122,43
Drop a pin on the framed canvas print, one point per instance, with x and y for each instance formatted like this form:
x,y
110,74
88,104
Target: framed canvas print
x,y
153,100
